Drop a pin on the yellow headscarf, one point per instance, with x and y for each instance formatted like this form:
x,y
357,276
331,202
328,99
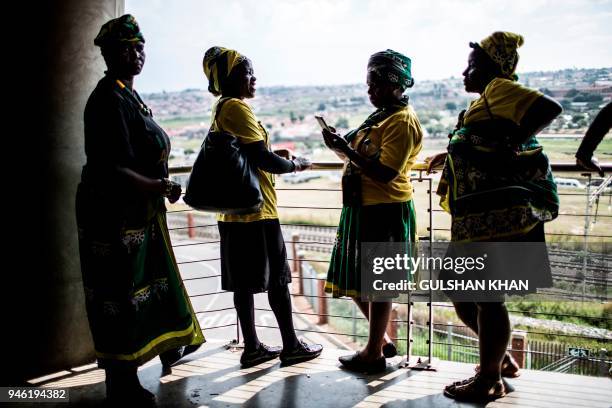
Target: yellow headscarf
x,y
502,47
218,63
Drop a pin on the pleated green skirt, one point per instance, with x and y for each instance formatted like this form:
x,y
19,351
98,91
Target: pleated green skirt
x,y
389,222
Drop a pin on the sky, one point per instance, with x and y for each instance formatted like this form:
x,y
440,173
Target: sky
x,y
328,42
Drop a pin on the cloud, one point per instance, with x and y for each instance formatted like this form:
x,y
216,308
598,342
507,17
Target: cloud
x,y
305,42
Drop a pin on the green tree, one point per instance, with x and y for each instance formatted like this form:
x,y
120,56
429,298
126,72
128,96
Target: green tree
x,y
571,93
321,107
451,106
292,116
342,123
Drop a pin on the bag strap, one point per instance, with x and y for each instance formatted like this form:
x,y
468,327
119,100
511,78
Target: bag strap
x,y
217,110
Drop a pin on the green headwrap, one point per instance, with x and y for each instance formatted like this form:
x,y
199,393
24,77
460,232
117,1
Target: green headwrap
x,y
119,30
393,67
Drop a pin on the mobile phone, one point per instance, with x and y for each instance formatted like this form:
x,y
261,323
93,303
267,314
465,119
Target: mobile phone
x,y
323,124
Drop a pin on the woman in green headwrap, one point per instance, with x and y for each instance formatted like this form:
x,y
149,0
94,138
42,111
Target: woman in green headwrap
x,y
497,186
136,301
377,204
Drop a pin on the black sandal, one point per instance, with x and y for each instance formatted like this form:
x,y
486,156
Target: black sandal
x,y
509,367
477,389
389,350
356,363
171,357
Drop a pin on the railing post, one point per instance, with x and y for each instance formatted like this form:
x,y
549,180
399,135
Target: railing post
x,y
603,365
392,325
587,213
449,340
190,226
295,238
300,273
322,299
354,318
519,347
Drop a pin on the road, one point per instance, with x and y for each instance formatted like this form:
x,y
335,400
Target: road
x,y
200,268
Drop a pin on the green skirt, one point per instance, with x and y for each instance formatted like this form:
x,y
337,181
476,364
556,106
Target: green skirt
x,y
392,222
136,301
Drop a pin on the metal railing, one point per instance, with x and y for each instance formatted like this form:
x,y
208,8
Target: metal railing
x,y
439,338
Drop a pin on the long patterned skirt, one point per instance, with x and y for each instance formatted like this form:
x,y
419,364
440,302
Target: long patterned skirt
x,y
392,222
136,302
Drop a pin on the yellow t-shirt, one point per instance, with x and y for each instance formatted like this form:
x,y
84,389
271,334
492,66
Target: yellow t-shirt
x,y
507,99
397,141
237,118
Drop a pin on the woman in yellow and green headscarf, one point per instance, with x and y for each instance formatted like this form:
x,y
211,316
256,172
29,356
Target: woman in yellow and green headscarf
x,y
253,254
497,186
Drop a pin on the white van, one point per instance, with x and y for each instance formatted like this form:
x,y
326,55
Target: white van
x,y
568,183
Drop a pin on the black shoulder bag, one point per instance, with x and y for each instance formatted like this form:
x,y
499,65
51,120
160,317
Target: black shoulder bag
x,y
222,180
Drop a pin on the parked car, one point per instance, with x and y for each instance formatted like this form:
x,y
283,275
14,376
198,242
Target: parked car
x,y
568,183
294,178
595,183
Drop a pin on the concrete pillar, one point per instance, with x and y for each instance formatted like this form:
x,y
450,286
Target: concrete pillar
x,y
50,330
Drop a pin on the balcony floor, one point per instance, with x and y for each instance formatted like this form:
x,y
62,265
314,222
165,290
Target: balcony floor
x,y
212,378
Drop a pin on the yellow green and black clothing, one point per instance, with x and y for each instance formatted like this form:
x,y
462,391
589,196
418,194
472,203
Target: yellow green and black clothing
x,y
386,212
253,253
495,190
237,118
136,301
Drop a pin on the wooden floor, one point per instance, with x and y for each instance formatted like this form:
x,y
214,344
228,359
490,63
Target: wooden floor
x,y
212,378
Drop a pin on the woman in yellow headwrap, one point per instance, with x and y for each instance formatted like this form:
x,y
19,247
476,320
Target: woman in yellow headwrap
x,y
253,254
497,185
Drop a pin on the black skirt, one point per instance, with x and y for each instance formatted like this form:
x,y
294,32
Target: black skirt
x,y
253,256
504,264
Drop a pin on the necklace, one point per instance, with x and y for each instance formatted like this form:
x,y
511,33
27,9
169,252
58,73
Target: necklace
x,y
135,98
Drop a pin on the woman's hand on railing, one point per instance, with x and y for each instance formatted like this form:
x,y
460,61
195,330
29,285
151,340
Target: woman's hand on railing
x,y
591,164
435,162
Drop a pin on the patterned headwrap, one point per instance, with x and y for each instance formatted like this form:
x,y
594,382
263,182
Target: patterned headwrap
x,y
501,47
218,64
393,67
119,30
